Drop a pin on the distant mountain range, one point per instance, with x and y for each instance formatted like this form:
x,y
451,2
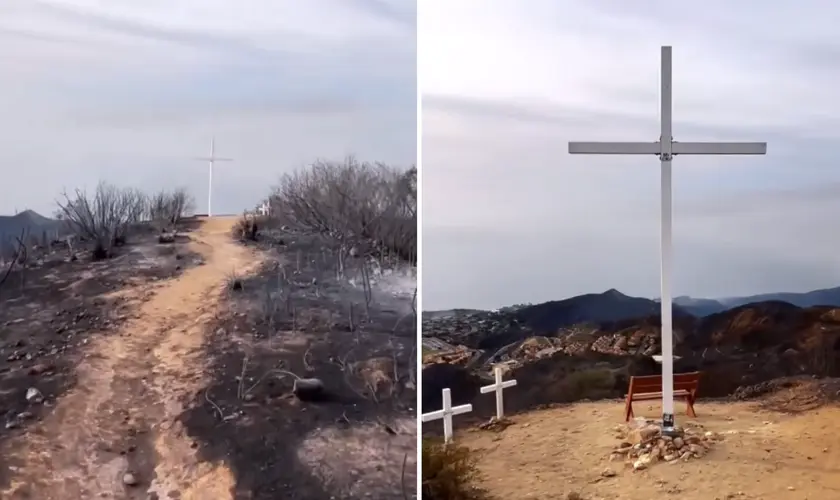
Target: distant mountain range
x,y
609,306
612,306
512,323
705,307
35,223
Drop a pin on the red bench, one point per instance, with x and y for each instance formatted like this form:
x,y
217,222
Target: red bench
x,y
649,387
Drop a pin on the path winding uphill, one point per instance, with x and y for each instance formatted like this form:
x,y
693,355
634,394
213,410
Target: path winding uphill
x,y
116,434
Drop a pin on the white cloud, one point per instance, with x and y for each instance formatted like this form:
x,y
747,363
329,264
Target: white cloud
x,y
598,56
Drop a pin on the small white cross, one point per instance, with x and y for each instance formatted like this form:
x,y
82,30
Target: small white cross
x,y
498,387
446,414
264,208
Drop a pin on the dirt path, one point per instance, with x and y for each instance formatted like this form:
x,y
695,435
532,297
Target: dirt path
x,y
763,455
122,415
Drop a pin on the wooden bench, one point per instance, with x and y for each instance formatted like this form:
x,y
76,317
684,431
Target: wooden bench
x,y
649,387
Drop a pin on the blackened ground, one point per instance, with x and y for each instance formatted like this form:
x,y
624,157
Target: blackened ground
x,y
360,442
50,311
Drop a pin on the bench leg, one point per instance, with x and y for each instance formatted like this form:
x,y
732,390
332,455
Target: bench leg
x,y
689,401
628,409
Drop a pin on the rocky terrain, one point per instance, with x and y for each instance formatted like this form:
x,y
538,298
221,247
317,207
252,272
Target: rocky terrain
x,y
177,370
735,349
643,444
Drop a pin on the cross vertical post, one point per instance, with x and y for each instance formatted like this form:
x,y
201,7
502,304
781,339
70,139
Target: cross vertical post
x,y
212,159
666,140
666,149
447,418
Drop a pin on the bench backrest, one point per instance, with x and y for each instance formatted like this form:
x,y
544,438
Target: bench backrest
x,y
653,383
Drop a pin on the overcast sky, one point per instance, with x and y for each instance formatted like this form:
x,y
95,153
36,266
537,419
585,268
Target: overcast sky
x,y
509,216
132,91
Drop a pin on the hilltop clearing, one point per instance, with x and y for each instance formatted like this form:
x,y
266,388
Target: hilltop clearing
x,y
778,447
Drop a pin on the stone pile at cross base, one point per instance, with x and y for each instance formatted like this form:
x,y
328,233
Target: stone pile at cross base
x,y
643,444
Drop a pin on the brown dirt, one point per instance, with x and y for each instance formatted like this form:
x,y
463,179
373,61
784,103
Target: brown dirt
x,y
781,446
130,388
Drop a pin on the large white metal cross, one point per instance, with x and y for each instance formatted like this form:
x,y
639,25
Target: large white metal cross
x,y
498,387
212,159
665,149
446,414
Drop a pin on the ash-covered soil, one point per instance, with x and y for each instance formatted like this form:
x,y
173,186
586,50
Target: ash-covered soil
x,y
299,317
54,307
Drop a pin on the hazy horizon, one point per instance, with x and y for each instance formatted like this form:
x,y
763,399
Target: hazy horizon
x,y
653,297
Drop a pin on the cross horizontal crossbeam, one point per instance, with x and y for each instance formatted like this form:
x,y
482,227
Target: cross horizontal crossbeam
x,y
446,414
677,148
213,159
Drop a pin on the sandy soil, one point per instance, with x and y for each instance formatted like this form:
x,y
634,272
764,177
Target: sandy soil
x,y
765,454
121,416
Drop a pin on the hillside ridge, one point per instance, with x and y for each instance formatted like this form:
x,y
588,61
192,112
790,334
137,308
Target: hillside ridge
x,y
696,306
745,346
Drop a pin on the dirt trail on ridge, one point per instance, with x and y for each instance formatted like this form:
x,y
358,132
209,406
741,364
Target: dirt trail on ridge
x,y
122,415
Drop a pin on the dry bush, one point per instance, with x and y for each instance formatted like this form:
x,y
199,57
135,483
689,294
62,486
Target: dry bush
x,y
357,204
589,384
104,218
450,472
7,248
822,357
247,228
18,257
233,281
167,208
